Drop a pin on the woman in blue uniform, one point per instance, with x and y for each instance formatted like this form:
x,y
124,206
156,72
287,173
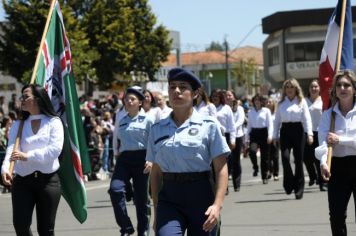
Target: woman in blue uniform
x,y
342,176
182,148
132,134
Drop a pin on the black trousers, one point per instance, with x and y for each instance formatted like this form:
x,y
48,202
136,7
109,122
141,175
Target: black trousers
x,y
341,185
311,163
42,191
273,163
258,138
229,160
236,163
292,136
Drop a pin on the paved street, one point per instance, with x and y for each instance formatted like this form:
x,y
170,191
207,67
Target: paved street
x,y
256,210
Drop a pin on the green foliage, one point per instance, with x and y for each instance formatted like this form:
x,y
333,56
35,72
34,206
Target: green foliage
x,y
215,46
21,36
109,38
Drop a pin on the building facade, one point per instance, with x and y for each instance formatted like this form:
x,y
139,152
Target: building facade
x,y
294,43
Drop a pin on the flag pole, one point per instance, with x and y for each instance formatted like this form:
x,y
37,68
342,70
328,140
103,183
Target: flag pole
x,y
33,77
19,132
337,68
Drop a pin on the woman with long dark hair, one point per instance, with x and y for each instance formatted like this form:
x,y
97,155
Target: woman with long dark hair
x,y
315,105
36,183
259,130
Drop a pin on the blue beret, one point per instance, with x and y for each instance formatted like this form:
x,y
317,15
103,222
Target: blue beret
x,y
184,75
137,91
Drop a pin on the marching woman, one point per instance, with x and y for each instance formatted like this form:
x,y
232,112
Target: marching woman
x,y
226,119
291,122
260,130
203,105
132,134
239,119
182,148
150,106
312,164
342,177
273,162
36,183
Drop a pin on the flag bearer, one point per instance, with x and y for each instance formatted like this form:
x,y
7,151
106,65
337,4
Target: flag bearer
x,y
182,148
132,134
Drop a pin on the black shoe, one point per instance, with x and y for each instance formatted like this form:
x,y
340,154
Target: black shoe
x,y
298,196
312,182
255,173
265,181
130,231
269,176
227,192
237,189
323,187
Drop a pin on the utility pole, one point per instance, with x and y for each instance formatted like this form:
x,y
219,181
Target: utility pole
x,y
227,69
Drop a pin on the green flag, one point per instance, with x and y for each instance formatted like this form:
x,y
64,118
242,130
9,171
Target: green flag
x,y
55,74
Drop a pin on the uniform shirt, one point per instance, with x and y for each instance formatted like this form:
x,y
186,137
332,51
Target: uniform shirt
x,y
188,148
315,109
206,109
239,118
133,132
345,128
260,119
226,119
42,148
292,111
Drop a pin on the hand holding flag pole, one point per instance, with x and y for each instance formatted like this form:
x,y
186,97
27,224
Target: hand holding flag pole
x,y
33,77
337,68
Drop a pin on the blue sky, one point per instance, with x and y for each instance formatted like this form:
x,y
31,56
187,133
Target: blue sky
x,y
203,21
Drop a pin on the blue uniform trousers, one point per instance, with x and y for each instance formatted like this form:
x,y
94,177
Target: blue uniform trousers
x,y
181,206
130,164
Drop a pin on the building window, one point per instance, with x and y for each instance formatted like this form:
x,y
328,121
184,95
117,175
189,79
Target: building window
x,y
273,56
304,51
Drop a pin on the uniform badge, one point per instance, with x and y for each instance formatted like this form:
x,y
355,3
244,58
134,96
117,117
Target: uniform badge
x,y
193,131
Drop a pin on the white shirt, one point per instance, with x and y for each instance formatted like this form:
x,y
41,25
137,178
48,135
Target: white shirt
x,y
345,128
165,112
42,148
315,109
239,118
292,111
206,109
260,119
154,114
226,119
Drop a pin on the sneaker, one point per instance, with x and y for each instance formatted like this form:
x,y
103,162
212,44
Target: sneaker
x,y
275,178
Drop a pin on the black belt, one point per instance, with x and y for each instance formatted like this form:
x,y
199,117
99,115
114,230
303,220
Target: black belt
x,y
185,176
36,174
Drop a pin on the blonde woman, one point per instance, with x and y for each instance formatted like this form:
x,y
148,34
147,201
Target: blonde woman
x,y
291,122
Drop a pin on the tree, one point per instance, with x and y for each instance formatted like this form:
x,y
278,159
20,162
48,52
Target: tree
x,y
22,33
215,46
109,38
123,33
245,72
